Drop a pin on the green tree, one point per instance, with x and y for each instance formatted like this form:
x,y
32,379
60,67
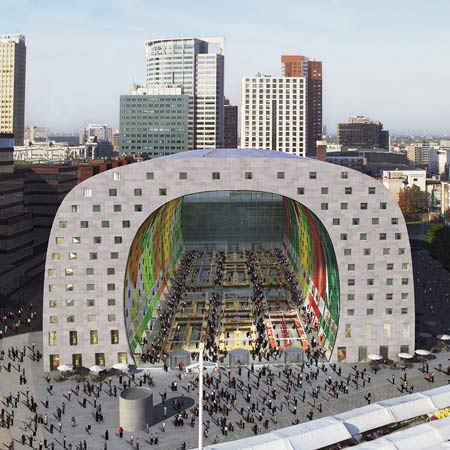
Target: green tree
x,y
411,201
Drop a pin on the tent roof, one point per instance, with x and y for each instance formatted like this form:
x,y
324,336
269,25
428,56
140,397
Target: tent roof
x,y
439,396
409,406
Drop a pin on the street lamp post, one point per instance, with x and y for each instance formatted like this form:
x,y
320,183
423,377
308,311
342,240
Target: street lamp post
x,y
200,400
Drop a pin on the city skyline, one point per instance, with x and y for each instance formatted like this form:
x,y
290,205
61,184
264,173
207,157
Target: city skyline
x,y
370,58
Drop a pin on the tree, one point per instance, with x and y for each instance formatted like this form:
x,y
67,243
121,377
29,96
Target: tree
x,y
411,201
447,215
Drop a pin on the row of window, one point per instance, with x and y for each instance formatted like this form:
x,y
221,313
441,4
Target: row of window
x,y
68,272
70,302
89,287
73,337
363,236
90,318
370,311
368,330
92,255
371,282
368,251
389,266
371,296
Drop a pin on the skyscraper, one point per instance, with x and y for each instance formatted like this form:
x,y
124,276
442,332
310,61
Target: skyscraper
x,y
274,113
230,125
302,66
361,132
12,86
188,63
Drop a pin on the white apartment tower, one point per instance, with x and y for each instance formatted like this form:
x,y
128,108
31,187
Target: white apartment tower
x,y
188,62
12,86
274,113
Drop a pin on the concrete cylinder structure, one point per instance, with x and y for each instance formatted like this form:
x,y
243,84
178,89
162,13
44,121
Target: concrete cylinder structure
x,y
136,407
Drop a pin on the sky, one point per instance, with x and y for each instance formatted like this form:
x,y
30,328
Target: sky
x,y
388,60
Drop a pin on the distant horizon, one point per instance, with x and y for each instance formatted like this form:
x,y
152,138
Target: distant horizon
x,y
82,56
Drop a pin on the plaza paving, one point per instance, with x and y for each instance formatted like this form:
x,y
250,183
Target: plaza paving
x,y
432,287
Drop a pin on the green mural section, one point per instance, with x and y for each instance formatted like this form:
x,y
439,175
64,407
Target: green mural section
x,y
152,258
311,254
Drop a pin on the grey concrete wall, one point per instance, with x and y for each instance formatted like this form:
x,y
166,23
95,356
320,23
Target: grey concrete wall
x,y
135,408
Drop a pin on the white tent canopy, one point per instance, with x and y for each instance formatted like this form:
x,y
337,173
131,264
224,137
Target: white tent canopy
x,y
439,396
409,406
316,434
366,418
415,438
378,444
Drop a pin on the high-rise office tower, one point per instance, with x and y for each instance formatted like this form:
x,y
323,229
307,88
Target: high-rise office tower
x,y
274,113
230,124
302,66
12,86
189,64
361,132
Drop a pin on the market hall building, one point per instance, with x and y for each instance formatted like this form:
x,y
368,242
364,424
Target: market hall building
x,y
119,238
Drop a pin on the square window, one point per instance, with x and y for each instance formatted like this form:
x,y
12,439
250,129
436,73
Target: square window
x,y
87,192
111,301
72,256
404,311
394,221
350,282
111,287
344,175
138,208
350,267
383,205
53,319
280,175
324,190
59,240
405,266
350,297
300,191
162,191
347,251
117,208
382,236
401,251
183,175
116,176
97,239
93,256
113,192
68,272
370,282
398,236
52,304
111,317
355,221
389,266
350,312
386,251
96,208
137,192
215,175
76,240
114,255
91,318
110,271
371,266
248,175
150,175
389,311
117,239
90,302
371,190
370,297
389,296
344,206
75,208
51,272
369,311
375,221
324,206
63,224
389,281
70,319
56,257
348,190
343,236
405,281
90,287
90,271
312,175
363,236
363,205
70,302
105,223
125,224
84,224
366,252
336,221
404,296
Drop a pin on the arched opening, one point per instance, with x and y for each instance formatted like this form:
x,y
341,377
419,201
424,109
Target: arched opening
x,y
235,269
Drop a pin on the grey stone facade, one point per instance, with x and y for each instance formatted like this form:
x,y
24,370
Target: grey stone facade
x,y
364,223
